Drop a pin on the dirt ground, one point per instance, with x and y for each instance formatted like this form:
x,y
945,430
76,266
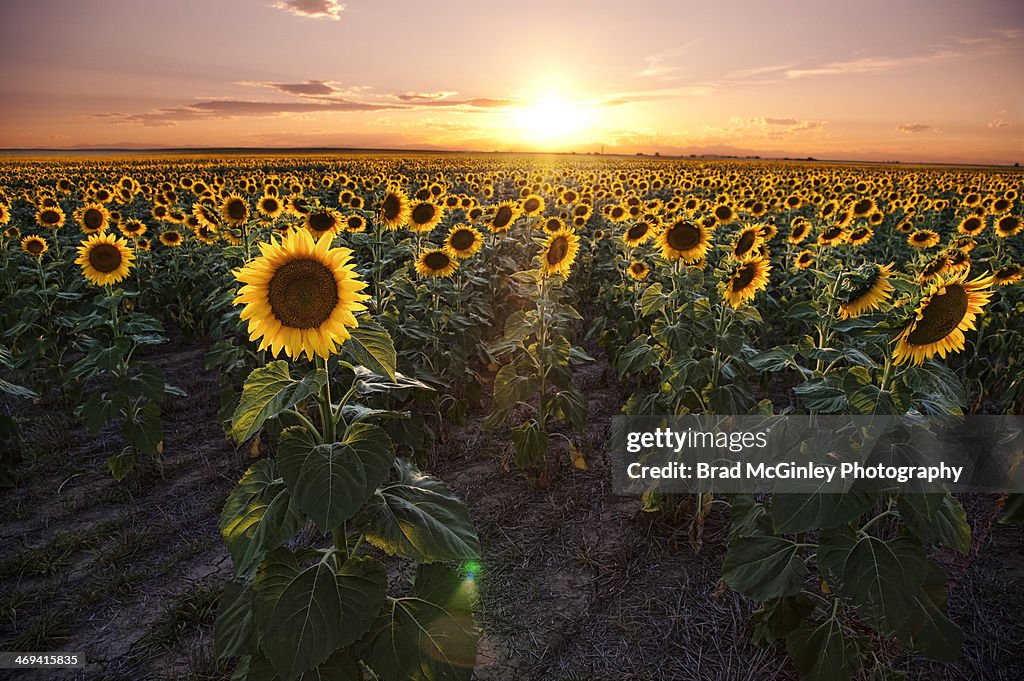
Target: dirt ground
x,y
576,582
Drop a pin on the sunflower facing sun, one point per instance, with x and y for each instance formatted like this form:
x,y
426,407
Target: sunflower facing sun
x,y
949,308
559,253
300,296
105,259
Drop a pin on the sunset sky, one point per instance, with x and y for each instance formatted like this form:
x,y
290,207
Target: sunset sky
x,y
909,80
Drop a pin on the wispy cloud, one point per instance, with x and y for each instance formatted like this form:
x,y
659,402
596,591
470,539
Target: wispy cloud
x,y
314,9
426,96
912,128
999,123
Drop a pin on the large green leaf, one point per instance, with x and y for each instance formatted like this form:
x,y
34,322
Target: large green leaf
x,y
803,512
764,567
371,346
1013,509
429,636
145,431
267,392
881,578
510,388
258,516
824,652
929,630
937,519
330,482
530,442
234,631
637,356
304,616
779,616
418,517
340,666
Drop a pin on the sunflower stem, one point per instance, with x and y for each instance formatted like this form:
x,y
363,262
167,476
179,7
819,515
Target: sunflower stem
x,y
326,410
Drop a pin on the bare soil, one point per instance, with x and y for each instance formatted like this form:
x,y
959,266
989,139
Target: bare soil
x,y
576,583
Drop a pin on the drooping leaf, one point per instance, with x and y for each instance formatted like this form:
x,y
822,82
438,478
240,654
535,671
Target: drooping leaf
x,y
267,392
371,346
937,519
824,652
764,567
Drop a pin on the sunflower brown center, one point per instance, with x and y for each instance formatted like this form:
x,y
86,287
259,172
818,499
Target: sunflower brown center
x,y
745,242
862,207
832,233
683,236
436,260
723,212
637,231
503,217
921,236
799,230
105,258
617,212
236,210
303,293
557,250
321,222
941,315
859,234
531,205
354,222
93,219
744,277
972,224
638,268
269,205
423,213
462,239
34,247
392,207
1007,272
50,217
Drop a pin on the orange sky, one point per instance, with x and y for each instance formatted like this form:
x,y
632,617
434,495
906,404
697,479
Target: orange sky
x,y
909,80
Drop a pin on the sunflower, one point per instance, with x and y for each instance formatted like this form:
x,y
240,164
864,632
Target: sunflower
x,y
552,224
637,270
50,217
234,210
804,260
12,232
862,208
105,259
724,213
949,308
300,296
958,261
424,216
868,289
142,245
34,246
394,209
684,240
923,238
269,206
93,218
935,268
532,205
559,253
463,241
437,262
746,242
320,221
5,213
132,228
355,224
1010,274
616,213
860,236
832,236
170,238
505,213
801,227
639,232
1008,225
746,280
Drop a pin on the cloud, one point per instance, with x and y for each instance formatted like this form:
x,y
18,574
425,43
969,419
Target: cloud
x,y
231,108
914,127
425,96
314,9
999,123
310,88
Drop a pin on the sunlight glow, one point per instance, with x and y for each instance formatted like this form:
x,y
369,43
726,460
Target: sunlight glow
x,y
553,120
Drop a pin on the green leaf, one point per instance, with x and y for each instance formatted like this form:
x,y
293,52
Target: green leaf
x,y
258,516
937,519
146,431
367,382
881,578
774,360
570,406
17,390
793,513
121,465
823,652
1013,509
652,300
418,517
430,636
764,567
330,482
304,616
777,617
929,630
234,631
636,357
371,346
510,388
821,395
267,392
530,442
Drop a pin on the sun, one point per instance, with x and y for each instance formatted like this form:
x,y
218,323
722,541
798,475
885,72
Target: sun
x,y
553,118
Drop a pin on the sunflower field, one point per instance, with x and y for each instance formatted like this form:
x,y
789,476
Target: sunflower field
x,y
346,416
